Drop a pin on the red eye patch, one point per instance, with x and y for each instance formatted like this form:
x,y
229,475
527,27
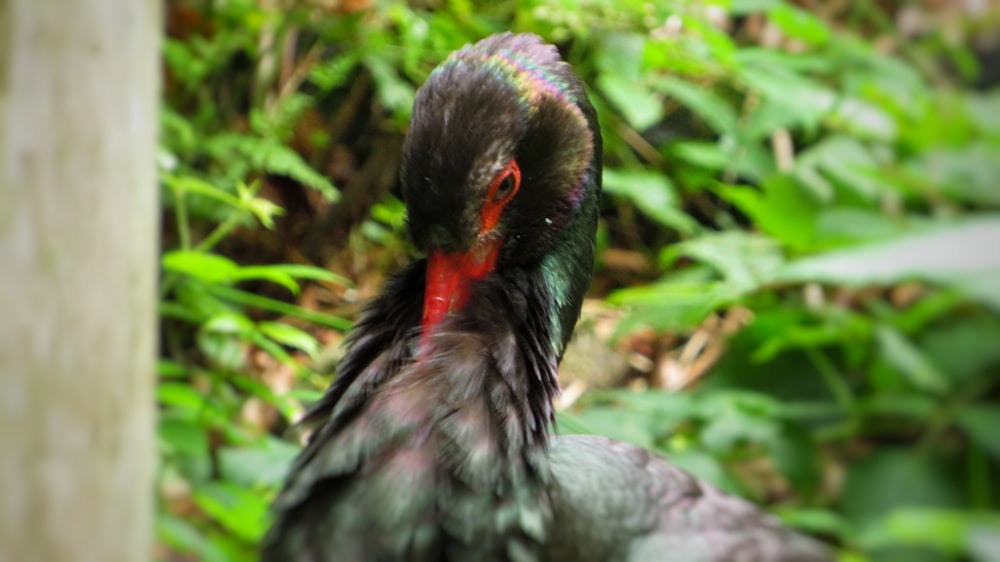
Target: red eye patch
x,y
501,191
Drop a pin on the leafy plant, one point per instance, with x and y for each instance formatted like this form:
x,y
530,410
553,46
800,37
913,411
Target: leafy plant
x,y
813,171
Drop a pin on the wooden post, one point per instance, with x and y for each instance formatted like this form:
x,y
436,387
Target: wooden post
x,y
79,86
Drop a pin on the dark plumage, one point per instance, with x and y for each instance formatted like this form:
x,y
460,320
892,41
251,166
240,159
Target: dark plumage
x,y
433,442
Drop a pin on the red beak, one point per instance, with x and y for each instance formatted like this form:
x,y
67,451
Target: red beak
x,y
449,279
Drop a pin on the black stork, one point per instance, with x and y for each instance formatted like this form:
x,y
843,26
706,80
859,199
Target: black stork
x,y
433,442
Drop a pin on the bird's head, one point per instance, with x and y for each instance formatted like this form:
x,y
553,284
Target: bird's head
x,y
502,152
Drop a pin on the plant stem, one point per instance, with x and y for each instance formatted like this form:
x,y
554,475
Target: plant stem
x,y
249,299
838,388
220,232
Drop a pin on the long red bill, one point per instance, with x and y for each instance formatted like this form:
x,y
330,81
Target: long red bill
x,y
449,278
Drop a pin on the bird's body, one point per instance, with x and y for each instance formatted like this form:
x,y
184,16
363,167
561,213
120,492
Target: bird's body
x,y
423,459
433,442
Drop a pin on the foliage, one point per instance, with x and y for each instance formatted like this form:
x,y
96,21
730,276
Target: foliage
x,y
819,174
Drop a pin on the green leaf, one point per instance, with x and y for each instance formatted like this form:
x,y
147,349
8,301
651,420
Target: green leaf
x,y
188,184
666,409
395,93
846,226
705,45
707,467
180,395
907,405
800,101
910,361
674,306
241,512
390,212
945,530
745,259
267,273
960,254
264,303
228,323
927,310
263,463
181,401
616,423
816,521
798,23
185,66
183,536
641,108
708,155
263,209
193,303
850,163
717,112
278,121
966,173
769,117
963,348
796,456
334,72
841,328
983,108
178,135
621,54
311,272
863,119
981,422
211,268
223,338
892,478
277,351
290,336
653,194
227,351
780,209
735,418
288,403
167,369
743,7
181,436
269,155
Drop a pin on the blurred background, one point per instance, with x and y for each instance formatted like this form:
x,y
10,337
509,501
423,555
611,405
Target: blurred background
x,y
798,278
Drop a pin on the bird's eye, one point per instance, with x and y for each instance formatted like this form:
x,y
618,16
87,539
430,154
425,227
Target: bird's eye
x,y
500,193
505,187
506,184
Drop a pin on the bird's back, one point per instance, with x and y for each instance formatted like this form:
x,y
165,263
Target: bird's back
x,y
616,501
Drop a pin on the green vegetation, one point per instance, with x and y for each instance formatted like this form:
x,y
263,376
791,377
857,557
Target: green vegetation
x,y
822,177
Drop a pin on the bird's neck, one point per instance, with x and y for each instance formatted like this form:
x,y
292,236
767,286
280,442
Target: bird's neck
x,y
502,349
567,268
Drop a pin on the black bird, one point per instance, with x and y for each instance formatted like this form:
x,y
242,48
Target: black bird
x,y
434,441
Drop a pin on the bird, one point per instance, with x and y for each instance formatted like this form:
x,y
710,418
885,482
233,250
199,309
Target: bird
x,y
435,440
